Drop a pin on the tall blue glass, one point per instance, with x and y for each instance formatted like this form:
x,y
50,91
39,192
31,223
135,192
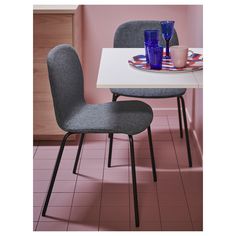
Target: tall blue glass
x,y
167,28
155,53
151,37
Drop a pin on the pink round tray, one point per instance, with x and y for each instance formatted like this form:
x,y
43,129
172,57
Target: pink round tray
x,y
195,62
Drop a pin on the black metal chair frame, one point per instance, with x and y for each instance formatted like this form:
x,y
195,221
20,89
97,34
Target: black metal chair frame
x,y
115,97
135,195
122,39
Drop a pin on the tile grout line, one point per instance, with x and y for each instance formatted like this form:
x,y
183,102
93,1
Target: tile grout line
x,y
157,195
59,192
35,151
81,154
36,227
104,163
157,179
180,175
158,202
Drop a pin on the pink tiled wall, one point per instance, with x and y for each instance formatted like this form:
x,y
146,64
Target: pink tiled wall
x,y
99,23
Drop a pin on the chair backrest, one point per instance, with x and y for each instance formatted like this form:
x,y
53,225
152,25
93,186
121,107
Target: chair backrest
x,y
66,81
131,34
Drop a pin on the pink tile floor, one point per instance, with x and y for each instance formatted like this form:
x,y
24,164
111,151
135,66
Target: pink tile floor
x,y
100,198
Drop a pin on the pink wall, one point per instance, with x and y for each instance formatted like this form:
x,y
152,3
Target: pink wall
x,y
78,32
99,23
198,116
195,27
194,97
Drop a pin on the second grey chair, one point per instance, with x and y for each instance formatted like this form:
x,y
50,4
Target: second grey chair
x,y
131,35
75,116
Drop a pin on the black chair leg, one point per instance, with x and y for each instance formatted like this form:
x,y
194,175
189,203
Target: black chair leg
x,y
110,150
54,174
78,153
135,194
152,154
114,98
180,118
186,132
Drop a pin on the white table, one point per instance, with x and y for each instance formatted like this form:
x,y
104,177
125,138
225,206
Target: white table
x,y
115,72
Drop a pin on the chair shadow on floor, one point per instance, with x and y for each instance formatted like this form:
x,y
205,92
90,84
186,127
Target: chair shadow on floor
x,y
113,215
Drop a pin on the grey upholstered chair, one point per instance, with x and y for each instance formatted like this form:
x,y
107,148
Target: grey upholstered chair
x,y
131,35
75,116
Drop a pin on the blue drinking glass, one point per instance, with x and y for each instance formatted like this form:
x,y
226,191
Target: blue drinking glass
x,y
155,54
167,28
151,37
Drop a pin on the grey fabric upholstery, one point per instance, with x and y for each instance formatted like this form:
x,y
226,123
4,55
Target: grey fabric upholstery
x,y
149,92
129,117
131,35
72,112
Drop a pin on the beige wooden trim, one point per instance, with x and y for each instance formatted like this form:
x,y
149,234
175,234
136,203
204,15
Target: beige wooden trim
x,y
54,9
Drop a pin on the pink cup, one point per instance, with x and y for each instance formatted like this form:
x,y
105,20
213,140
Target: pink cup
x,y
179,56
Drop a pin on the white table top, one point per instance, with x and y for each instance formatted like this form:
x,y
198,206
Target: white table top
x,y
115,72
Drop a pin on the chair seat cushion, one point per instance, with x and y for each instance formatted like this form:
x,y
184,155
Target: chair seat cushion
x,y
149,92
128,117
